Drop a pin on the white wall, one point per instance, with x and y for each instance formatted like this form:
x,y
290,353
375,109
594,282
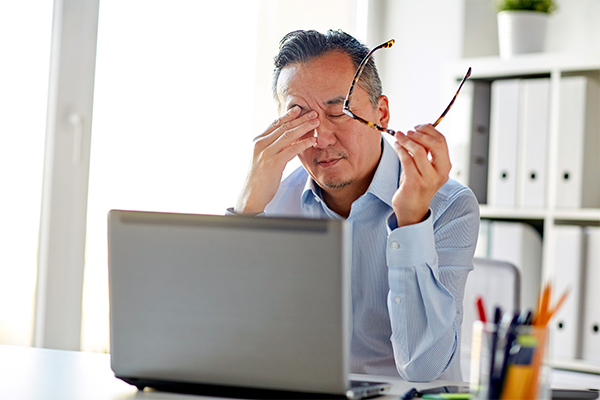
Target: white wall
x,y
428,34
573,27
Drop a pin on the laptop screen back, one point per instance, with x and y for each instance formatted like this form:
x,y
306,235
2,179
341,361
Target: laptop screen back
x,y
242,301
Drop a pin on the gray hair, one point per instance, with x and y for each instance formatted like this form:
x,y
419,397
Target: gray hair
x,y
302,46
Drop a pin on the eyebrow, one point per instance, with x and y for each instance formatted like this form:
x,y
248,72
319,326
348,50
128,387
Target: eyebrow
x,y
331,102
335,101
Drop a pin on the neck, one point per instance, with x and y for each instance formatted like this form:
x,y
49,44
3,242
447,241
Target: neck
x,y
340,200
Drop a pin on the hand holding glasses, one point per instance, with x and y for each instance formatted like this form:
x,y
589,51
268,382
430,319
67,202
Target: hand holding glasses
x,y
392,132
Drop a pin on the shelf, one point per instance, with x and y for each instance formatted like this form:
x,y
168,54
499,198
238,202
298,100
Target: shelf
x,y
526,64
576,365
512,213
575,215
584,214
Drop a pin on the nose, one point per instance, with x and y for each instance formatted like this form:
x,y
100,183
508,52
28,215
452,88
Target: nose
x,y
325,134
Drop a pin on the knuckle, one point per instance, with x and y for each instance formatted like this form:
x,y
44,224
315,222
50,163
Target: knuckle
x,y
419,151
288,134
286,126
274,125
439,140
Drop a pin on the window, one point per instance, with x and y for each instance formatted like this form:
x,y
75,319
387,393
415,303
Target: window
x,y
181,89
25,37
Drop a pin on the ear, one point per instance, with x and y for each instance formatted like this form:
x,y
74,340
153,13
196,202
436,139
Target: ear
x,y
383,109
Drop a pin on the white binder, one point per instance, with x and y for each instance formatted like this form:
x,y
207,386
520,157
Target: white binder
x,y
567,242
483,239
578,162
591,315
533,138
520,244
504,125
458,134
468,137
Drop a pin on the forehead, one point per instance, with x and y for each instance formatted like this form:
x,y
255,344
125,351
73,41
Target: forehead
x,y
321,78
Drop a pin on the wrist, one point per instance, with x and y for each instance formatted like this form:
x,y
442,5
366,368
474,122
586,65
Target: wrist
x,y
405,219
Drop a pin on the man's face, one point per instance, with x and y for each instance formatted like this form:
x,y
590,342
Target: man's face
x,y
347,152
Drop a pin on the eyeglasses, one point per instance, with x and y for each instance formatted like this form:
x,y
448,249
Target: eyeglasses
x,y
359,71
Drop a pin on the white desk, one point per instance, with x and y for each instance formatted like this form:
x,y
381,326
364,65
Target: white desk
x,y
42,374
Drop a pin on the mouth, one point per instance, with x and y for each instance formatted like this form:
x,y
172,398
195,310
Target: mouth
x,y
329,162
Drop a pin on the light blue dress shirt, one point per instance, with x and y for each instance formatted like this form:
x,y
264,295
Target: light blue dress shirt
x,y
408,282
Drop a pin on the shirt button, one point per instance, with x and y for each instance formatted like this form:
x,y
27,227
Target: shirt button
x,y
395,245
397,299
318,200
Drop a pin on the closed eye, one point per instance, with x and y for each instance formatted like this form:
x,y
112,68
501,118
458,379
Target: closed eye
x,y
337,115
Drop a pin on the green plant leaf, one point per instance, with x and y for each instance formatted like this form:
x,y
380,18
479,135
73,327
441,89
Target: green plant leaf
x,y
544,6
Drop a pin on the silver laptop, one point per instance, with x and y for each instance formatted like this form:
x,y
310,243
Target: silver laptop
x,y
221,303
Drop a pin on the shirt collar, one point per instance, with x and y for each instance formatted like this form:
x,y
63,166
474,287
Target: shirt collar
x,y
383,186
311,192
387,176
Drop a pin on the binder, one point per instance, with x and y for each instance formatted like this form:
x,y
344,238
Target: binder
x,y
591,315
565,326
533,139
578,161
480,138
504,125
483,239
520,244
468,137
458,134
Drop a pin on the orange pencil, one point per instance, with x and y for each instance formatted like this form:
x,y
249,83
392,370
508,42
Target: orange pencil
x,y
541,317
558,305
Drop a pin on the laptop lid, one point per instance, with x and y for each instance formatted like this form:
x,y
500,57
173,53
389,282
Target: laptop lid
x,y
221,300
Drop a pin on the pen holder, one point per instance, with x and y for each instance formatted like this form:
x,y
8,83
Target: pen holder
x,y
509,363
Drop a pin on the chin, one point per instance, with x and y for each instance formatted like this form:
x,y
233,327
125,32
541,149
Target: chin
x,y
337,184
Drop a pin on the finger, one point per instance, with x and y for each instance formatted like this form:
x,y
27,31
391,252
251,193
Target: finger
x,y
427,136
429,172
290,115
293,131
435,144
419,157
297,148
404,148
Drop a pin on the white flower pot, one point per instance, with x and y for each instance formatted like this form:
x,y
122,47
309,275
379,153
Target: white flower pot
x,y
521,32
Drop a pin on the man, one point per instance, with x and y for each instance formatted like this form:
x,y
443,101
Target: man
x,y
414,230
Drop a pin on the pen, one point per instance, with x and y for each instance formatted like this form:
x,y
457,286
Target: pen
x,y
481,309
457,396
493,345
410,394
497,315
506,335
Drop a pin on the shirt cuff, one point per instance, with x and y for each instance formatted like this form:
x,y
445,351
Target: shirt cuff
x,y
230,211
410,245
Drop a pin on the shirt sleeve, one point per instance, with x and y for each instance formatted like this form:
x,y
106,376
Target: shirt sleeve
x,y
229,211
428,264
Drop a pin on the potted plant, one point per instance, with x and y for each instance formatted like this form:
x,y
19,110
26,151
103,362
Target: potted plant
x,y
522,25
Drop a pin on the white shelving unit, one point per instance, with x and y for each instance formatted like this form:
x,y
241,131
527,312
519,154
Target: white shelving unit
x,y
554,66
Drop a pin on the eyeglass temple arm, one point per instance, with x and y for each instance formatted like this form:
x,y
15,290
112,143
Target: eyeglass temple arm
x,y
468,74
359,71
